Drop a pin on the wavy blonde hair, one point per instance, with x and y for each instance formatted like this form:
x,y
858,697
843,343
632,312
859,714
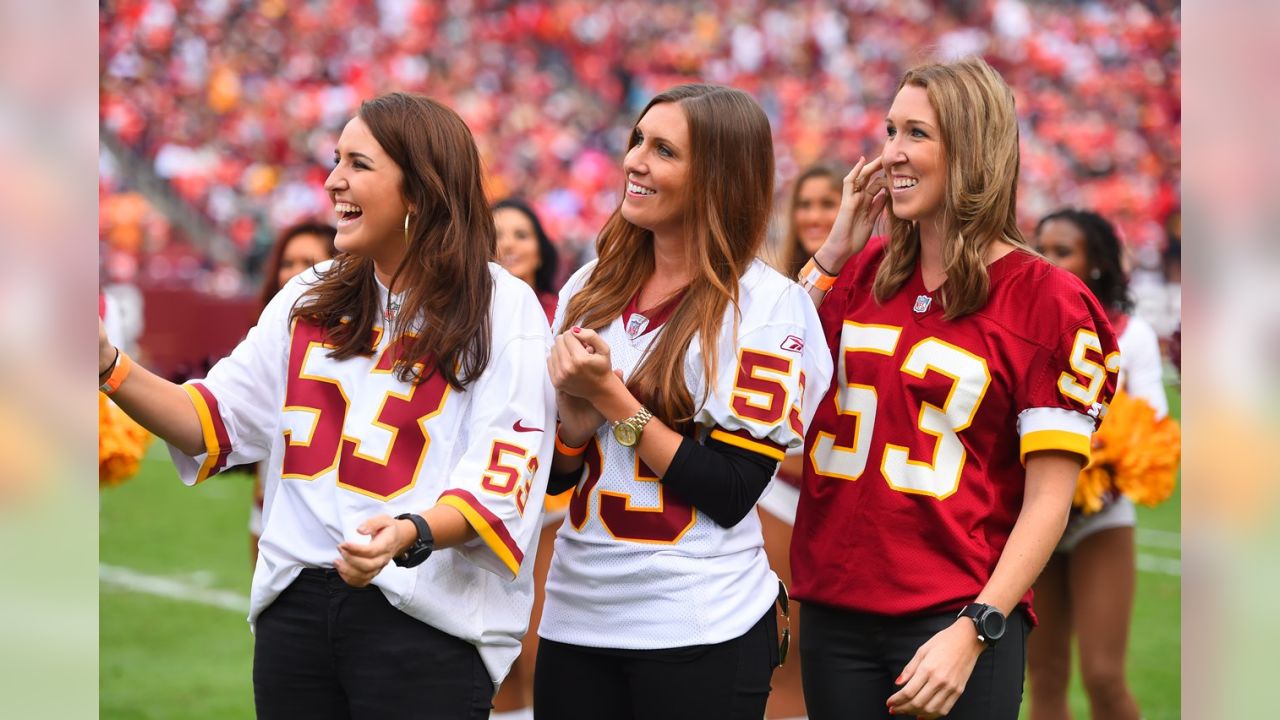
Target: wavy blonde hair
x,y
731,188
979,129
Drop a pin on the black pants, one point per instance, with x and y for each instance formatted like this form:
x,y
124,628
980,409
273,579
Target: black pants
x,y
728,680
325,650
850,661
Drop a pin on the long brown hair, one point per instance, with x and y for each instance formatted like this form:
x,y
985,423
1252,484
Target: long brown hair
x,y
792,256
979,129
450,239
730,186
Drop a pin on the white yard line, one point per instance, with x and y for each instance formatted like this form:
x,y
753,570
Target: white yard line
x,y
1159,539
1159,565
172,588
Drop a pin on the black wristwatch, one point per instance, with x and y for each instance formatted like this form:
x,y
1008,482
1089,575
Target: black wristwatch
x,y
420,550
989,621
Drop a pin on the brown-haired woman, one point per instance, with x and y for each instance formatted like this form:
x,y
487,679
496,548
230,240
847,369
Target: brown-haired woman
x,y
297,248
941,463
811,211
398,413
680,376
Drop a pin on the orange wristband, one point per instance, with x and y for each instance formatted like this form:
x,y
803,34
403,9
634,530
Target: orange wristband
x,y
569,450
118,374
812,275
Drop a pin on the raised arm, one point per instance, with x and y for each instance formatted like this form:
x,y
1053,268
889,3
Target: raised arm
x,y
862,200
155,403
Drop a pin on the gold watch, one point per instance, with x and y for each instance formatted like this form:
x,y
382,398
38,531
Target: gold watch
x,y
627,432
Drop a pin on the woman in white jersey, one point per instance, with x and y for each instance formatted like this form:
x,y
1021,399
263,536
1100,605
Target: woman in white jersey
x,y
680,369
1087,589
398,413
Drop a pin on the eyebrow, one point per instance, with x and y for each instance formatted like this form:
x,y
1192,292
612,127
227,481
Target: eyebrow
x,y
659,139
337,153
912,122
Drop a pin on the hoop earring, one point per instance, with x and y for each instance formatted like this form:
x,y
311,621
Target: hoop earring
x,y
1095,274
406,229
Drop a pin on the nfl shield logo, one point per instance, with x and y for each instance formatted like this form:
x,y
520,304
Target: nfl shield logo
x,y
636,324
922,303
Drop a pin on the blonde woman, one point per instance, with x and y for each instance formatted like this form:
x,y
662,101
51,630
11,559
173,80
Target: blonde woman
x,y
941,464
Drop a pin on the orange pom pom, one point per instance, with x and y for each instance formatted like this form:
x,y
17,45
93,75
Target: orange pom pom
x,y
1133,453
121,444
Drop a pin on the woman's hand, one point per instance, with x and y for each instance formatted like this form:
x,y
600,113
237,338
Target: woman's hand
x,y
863,198
361,562
935,678
579,419
106,351
580,365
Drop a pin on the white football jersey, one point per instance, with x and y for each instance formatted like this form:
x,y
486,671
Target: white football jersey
x,y
634,567
344,440
1141,366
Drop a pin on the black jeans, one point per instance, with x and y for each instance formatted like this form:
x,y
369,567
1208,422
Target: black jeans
x,y
850,661
728,680
326,650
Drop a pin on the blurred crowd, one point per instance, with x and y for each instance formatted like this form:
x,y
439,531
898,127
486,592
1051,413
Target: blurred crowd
x,y
237,104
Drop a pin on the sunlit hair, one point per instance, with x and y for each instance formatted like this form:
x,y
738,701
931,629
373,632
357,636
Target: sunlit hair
x,y
1103,254
731,187
979,130
445,273
271,269
792,257
544,278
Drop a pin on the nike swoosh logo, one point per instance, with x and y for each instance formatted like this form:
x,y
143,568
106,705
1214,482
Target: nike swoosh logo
x,y
521,428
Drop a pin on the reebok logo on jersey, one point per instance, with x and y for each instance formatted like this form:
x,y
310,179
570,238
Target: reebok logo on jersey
x,y
522,428
793,344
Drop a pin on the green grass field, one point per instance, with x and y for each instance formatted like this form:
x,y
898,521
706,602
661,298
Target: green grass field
x,y
189,657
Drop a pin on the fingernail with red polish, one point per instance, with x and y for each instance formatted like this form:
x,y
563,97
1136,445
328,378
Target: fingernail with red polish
x,y
577,329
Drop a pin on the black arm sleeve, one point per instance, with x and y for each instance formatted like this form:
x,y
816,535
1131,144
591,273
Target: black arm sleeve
x,y
560,482
719,479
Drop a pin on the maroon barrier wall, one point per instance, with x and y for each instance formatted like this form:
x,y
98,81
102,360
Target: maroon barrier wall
x,y
182,329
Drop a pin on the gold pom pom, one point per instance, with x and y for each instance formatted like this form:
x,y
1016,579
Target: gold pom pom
x,y
1133,453
121,444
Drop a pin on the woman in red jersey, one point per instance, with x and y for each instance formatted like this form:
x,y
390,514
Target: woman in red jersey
x,y
940,465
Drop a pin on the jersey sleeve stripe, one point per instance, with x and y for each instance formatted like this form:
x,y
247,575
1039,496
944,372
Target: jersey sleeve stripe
x,y
744,440
487,525
216,440
1054,429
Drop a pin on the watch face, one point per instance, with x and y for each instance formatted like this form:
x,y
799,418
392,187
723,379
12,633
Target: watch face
x,y
993,625
625,434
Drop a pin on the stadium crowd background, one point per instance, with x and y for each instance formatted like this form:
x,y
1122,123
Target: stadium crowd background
x,y
236,104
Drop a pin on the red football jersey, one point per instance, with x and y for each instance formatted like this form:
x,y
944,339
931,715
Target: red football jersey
x,y
913,471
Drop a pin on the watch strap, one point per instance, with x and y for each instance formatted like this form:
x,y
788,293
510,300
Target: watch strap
x,y
421,548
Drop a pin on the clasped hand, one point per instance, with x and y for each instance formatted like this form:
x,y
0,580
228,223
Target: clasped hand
x,y
361,562
581,370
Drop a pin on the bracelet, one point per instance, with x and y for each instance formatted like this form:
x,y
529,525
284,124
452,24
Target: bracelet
x,y
119,371
812,276
569,450
820,267
102,376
